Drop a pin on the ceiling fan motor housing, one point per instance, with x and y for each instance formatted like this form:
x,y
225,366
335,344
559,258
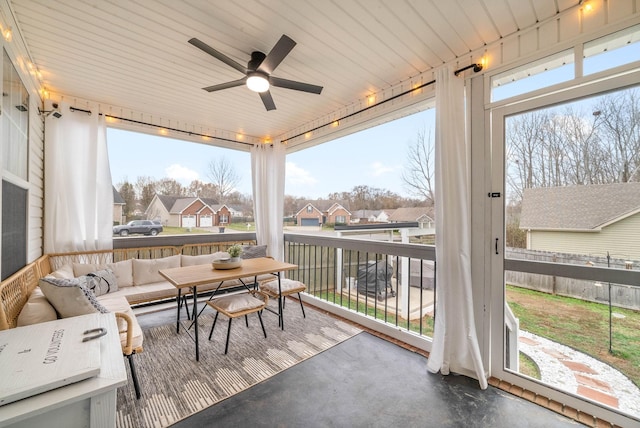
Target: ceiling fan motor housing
x,y
256,59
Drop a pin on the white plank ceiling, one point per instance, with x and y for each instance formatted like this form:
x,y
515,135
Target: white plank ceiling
x,y
134,53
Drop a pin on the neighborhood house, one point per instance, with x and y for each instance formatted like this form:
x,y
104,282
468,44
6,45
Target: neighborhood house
x,y
177,211
589,220
322,212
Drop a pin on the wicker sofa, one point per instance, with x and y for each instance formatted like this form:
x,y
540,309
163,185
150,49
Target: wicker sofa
x,y
138,282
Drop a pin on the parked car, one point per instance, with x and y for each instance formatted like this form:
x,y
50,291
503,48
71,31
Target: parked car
x,y
145,227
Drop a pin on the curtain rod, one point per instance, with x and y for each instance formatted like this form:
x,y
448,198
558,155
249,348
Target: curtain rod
x,y
476,68
138,122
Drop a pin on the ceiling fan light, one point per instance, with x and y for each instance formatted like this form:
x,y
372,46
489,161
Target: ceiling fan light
x,y
257,82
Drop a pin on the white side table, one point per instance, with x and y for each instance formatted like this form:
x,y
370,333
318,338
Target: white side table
x,y
91,402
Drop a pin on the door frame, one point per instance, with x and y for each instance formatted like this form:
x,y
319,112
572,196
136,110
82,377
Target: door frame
x,y
575,91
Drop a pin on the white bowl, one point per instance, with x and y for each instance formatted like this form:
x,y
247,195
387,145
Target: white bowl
x,y
226,263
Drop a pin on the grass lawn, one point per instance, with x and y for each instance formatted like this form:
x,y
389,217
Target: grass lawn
x,y
242,227
169,230
581,325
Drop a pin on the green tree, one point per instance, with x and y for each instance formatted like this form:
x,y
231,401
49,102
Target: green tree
x,y
129,195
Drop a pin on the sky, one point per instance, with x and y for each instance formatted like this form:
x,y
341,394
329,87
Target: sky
x,y
374,157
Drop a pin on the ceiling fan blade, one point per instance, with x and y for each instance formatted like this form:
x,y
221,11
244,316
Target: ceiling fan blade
x,y
219,55
267,100
292,84
232,84
277,54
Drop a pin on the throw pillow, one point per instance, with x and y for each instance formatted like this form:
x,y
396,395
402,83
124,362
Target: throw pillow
x,y
65,271
36,310
146,271
253,251
202,259
70,297
102,282
123,270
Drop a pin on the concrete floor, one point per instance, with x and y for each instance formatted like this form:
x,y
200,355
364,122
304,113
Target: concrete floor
x,y
367,382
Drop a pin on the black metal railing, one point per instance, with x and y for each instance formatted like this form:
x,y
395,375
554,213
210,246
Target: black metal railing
x,y
391,282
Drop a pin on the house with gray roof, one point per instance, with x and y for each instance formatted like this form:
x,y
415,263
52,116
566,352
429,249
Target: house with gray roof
x,y
321,212
590,220
371,216
118,207
423,215
179,211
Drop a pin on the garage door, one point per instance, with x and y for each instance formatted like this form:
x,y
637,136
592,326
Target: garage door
x,y
188,221
206,221
310,222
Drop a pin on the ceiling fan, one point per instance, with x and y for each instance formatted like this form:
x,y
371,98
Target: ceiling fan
x,y
258,71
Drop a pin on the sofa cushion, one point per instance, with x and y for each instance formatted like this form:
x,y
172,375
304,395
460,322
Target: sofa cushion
x,y
146,271
237,303
123,271
65,271
120,304
102,282
202,259
286,285
70,297
146,293
253,251
36,310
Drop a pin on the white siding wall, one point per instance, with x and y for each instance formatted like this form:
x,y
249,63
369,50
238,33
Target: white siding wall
x,y
36,179
621,240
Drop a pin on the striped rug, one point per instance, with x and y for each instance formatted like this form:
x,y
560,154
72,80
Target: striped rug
x,y
175,386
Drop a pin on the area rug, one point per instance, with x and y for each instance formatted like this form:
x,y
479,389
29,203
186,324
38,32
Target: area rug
x,y
175,386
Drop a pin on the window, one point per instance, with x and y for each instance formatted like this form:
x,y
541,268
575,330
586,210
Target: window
x,y
15,144
340,219
309,209
536,75
15,122
224,218
613,50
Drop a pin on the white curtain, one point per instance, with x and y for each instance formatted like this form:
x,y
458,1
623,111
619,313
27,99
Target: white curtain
x,y
455,344
268,170
78,209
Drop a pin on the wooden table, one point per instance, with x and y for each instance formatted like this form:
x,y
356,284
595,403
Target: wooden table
x,y
193,276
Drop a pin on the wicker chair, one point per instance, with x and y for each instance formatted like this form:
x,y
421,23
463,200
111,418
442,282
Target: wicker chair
x,y
281,288
237,305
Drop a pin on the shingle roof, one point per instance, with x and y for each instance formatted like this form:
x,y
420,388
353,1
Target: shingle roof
x,y
410,214
578,207
168,201
117,198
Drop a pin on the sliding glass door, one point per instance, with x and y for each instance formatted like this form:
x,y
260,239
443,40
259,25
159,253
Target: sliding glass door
x,y
565,273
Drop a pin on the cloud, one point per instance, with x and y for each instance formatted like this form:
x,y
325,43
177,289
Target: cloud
x,y
378,169
298,176
181,174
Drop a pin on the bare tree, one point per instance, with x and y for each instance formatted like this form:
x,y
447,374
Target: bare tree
x,y
619,116
201,189
146,190
419,175
169,186
224,177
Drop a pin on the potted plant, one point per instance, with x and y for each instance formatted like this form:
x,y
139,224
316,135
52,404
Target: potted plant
x,y
234,252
